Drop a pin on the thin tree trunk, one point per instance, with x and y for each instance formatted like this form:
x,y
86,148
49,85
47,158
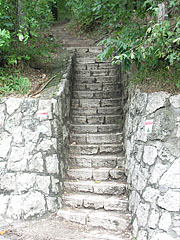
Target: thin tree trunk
x,y
162,14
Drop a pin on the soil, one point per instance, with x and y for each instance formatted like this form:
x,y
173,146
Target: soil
x,y
53,228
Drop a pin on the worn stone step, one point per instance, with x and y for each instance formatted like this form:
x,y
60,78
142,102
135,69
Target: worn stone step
x,y
96,86
96,161
101,128
92,149
80,58
94,66
97,174
91,109
84,95
99,79
96,187
96,138
111,102
96,73
93,50
99,218
97,119
108,203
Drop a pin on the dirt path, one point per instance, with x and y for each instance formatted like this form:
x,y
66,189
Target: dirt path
x,y
53,228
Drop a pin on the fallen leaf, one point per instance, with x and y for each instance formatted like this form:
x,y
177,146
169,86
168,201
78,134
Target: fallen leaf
x,y
3,232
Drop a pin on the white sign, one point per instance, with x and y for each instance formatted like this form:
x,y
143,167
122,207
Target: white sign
x,y
148,126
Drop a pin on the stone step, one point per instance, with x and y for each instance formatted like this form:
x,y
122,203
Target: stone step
x,y
91,108
101,128
96,187
96,161
96,73
93,50
94,66
101,119
99,218
99,79
111,102
96,138
96,174
95,149
108,203
96,86
96,95
80,58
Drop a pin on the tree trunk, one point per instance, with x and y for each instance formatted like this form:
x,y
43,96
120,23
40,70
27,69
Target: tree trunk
x,y
162,14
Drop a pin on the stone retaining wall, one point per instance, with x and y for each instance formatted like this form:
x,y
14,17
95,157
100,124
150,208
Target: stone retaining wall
x,y
33,148
153,164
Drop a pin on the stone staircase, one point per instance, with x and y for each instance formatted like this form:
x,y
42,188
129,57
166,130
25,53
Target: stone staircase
x,y
95,186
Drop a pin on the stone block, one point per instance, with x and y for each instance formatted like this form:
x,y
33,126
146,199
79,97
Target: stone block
x,y
43,184
13,104
111,148
142,214
84,128
104,138
79,186
171,178
153,219
24,182
101,174
156,101
83,94
150,194
113,119
104,161
116,204
73,216
80,161
18,159
106,79
84,149
3,204
117,174
89,103
150,154
78,138
80,119
83,111
74,201
108,128
94,87
80,174
162,236
95,202
35,163
95,119
109,188
107,221
98,73
170,201
110,102
52,164
75,103
165,221
5,144
175,101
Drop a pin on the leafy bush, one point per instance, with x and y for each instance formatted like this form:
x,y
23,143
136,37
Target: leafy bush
x,y
13,82
21,25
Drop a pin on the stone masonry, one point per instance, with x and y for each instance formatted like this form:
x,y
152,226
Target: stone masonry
x,y
153,165
95,186
33,145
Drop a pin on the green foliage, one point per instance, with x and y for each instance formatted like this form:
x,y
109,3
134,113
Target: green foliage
x,y
138,36
21,25
13,82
